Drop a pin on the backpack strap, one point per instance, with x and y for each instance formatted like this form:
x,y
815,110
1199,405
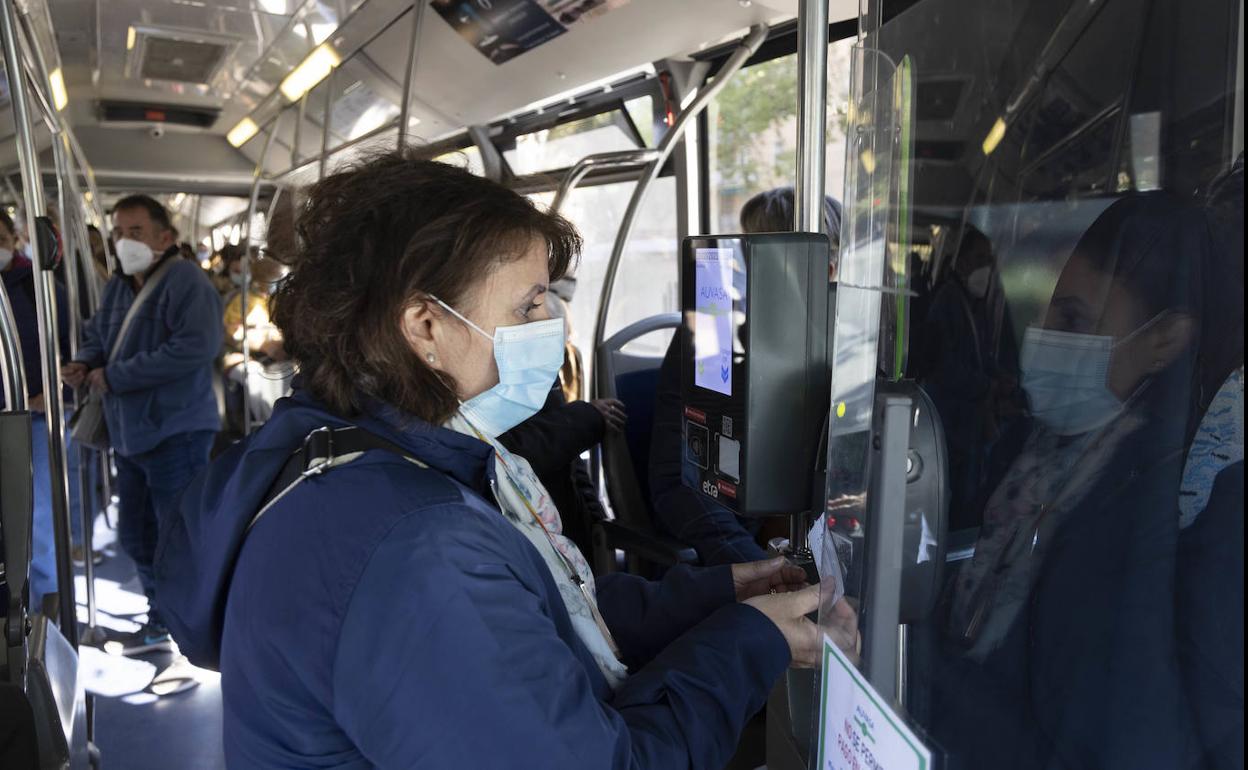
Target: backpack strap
x,y
323,449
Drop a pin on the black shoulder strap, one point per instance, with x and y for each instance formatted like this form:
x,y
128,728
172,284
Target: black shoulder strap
x,y
323,449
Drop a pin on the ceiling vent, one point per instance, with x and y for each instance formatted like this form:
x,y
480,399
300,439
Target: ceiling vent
x,y
182,56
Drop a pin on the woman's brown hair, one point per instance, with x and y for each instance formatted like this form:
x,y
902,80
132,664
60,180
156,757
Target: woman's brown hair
x,y
366,243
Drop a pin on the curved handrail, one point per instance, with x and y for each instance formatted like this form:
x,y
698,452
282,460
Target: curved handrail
x,y
598,160
749,44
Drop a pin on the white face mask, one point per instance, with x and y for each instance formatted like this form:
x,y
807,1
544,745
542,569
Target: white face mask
x,y
236,279
135,256
6,256
977,282
1066,377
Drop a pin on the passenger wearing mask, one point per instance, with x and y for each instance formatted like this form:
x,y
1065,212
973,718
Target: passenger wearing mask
x,y
18,276
715,532
155,381
1064,626
416,602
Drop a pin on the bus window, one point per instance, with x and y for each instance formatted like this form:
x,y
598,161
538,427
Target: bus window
x,y
753,133
565,144
646,282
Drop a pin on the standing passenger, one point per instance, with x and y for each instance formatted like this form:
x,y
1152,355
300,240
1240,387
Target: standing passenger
x,y
156,383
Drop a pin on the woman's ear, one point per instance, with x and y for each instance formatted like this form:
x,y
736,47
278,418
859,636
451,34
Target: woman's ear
x,y
417,323
1168,339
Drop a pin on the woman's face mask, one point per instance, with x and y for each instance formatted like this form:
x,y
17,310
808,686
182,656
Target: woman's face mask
x,y
1066,377
528,357
6,258
236,278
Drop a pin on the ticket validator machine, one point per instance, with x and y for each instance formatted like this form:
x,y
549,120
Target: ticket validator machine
x,y
754,377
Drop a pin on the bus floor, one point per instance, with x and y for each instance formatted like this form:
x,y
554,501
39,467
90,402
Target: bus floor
x,y
136,729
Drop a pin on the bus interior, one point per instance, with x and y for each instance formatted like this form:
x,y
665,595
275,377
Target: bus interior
x,y
1034,590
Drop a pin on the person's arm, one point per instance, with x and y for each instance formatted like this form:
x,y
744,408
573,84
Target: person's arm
x,y
193,315
646,615
464,667
554,437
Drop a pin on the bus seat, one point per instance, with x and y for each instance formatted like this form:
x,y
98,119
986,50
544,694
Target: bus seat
x,y
633,379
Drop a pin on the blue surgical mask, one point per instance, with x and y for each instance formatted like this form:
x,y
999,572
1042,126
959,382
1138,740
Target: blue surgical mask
x,y
1066,377
529,357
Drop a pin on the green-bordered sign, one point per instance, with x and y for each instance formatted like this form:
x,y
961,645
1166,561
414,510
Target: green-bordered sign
x,y
857,728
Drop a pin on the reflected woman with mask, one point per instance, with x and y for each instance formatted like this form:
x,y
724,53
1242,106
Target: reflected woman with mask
x,y
402,594
1064,619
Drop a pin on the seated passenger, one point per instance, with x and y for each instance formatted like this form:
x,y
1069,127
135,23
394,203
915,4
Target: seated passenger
x,y
415,605
715,532
1064,627
156,383
553,440
18,284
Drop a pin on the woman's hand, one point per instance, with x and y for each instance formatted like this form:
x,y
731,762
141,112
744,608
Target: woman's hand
x,y
788,611
770,576
612,410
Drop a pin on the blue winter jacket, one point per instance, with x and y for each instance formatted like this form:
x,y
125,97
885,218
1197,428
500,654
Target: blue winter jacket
x,y
388,615
160,382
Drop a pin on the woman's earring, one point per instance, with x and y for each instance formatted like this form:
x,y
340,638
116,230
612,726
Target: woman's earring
x,y
431,358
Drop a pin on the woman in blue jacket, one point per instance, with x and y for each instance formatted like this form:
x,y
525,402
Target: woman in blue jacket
x,y
399,594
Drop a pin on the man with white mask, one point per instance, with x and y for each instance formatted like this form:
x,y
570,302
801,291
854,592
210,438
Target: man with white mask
x,y
152,366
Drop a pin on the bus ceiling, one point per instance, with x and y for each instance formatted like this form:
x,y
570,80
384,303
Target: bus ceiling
x,y
153,90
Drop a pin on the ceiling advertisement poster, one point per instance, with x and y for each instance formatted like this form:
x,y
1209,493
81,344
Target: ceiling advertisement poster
x,y
503,29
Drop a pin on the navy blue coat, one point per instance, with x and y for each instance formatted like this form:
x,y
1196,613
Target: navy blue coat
x,y
388,615
160,383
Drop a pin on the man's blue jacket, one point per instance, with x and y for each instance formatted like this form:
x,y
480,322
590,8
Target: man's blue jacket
x,y
383,614
160,382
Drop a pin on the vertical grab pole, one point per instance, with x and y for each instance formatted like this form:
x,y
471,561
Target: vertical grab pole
x,y
329,107
812,108
77,242
45,307
245,295
409,76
